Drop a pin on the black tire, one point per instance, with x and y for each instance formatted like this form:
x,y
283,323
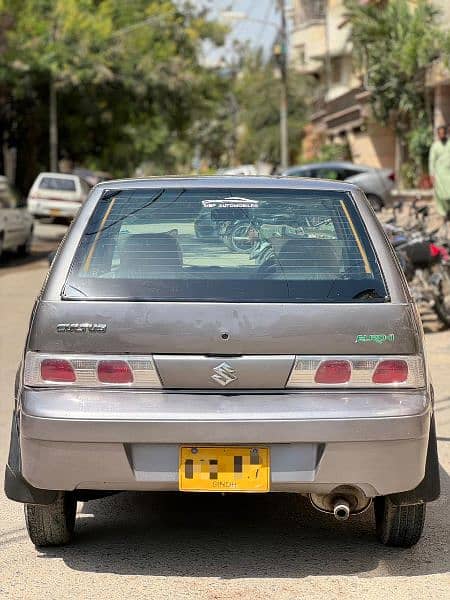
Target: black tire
x,y
25,248
376,202
52,524
238,240
442,302
399,526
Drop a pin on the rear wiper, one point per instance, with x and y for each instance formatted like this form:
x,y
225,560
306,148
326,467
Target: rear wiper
x,y
370,294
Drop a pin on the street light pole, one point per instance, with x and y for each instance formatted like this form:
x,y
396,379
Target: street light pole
x,y
284,132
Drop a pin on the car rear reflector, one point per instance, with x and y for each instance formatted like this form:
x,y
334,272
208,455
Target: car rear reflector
x,y
114,371
391,371
57,371
357,372
333,371
90,371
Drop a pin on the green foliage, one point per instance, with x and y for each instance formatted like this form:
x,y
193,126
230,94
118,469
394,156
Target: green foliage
x,y
129,78
393,47
257,90
419,140
333,152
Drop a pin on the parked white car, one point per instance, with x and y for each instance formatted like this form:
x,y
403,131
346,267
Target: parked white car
x,y
16,224
57,195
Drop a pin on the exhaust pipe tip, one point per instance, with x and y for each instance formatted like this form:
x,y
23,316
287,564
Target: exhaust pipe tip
x,y
341,509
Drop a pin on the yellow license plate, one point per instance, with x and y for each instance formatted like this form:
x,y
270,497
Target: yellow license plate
x,y
55,212
218,469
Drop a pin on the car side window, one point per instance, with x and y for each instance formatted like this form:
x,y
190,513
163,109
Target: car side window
x,y
6,197
328,173
17,200
345,173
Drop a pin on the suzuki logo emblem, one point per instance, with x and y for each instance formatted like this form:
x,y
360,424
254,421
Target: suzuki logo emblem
x,y
224,374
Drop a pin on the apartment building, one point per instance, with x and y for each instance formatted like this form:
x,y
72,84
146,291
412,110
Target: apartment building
x,y
438,76
321,47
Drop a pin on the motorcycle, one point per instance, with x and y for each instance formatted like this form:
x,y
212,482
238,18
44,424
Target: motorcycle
x,y
425,261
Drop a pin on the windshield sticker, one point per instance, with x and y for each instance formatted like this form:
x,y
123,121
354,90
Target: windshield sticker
x,y
231,202
376,338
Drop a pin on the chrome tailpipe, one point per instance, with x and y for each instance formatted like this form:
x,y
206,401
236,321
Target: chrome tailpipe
x,y
341,509
343,501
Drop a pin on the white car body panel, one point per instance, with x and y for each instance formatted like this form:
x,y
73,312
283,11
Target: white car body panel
x,y
15,221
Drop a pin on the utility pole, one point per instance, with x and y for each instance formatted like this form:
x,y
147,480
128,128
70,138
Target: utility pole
x,y
280,52
327,53
53,128
53,111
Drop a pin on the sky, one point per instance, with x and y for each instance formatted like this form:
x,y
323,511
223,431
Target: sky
x,y
258,34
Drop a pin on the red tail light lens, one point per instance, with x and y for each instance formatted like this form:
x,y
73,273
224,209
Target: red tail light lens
x,y
392,176
333,371
114,371
391,371
57,371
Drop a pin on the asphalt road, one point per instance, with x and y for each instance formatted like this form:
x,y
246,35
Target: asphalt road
x,y
210,547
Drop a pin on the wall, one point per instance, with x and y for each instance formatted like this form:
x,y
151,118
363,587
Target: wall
x,y
374,147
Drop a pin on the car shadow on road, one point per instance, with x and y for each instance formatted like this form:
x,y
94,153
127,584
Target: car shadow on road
x,y
242,536
10,260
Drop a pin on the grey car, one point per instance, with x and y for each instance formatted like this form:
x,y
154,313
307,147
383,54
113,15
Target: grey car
x,y
158,361
375,183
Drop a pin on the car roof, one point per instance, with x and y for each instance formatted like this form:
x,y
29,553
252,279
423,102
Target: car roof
x,y
224,181
58,175
329,165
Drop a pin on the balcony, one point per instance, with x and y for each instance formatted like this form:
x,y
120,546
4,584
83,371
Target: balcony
x,y
341,113
308,11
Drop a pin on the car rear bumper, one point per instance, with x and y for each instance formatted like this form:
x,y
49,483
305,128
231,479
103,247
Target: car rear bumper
x,y
53,208
130,441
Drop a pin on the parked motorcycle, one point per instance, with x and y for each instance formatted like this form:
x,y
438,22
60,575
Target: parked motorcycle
x,y
425,260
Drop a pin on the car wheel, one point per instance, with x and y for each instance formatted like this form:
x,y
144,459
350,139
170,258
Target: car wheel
x,y
399,526
376,202
52,524
25,248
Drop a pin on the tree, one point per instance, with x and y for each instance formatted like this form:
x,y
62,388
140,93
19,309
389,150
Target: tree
x,y
57,42
127,77
257,90
394,44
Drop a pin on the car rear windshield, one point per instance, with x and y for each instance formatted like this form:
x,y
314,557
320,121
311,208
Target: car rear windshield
x,y
57,183
242,245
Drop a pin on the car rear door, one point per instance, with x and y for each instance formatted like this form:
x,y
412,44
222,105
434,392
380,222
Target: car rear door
x,y
10,223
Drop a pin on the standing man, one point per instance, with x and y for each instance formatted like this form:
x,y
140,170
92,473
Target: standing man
x,y
440,171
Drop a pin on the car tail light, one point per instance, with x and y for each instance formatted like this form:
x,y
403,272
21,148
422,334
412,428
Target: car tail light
x,y
82,370
333,371
56,370
391,371
391,176
114,371
357,372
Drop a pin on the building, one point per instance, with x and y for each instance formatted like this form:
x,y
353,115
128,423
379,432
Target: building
x,y
438,77
321,47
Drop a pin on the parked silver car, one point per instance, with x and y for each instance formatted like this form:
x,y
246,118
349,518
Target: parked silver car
x,y
157,360
375,183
